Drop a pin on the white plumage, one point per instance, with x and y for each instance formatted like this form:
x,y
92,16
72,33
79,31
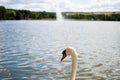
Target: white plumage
x,y
70,51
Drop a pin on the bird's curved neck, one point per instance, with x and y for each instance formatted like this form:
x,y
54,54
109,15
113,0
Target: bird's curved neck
x,y
74,66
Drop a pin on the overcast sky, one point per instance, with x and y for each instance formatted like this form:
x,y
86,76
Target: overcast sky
x,y
63,5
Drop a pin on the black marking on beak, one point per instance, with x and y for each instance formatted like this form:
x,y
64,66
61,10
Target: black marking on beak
x,y
63,55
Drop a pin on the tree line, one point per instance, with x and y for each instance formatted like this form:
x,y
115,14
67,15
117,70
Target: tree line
x,y
11,14
104,16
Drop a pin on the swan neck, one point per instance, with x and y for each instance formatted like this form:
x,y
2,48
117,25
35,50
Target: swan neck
x,y
74,66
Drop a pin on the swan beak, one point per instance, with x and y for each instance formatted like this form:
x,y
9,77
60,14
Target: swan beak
x,y
63,55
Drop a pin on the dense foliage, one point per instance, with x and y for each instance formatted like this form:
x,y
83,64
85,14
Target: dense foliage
x,y
11,14
2,12
105,16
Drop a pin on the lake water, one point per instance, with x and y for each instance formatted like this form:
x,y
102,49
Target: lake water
x,y
31,50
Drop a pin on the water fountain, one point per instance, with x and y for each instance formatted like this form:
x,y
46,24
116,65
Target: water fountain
x,y
58,13
59,16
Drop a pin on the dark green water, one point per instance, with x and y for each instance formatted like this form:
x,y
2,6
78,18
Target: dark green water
x,y
31,50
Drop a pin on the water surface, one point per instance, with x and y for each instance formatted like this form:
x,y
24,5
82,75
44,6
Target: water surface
x,y
31,50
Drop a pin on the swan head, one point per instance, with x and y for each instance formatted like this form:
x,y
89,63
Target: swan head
x,y
68,51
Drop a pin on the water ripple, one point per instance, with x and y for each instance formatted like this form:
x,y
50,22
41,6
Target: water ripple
x,y
32,52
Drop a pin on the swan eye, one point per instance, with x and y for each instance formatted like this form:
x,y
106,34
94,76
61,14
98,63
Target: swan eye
x,y
64,52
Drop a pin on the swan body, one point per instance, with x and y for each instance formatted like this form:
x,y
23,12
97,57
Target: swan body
x,y
70,51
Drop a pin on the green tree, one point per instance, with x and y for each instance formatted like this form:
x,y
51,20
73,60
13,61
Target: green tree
x,y
23,14
2,12
11,14
34,15
52,15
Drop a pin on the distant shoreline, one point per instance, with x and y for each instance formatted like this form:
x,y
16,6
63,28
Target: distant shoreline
x,y
93,16
12,14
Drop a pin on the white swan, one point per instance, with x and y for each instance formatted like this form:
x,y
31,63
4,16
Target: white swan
x,y
72,52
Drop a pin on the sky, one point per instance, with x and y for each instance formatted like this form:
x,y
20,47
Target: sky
x,y
63,5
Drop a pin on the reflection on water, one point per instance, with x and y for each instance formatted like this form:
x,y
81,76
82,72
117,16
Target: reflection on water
x,y
31,50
